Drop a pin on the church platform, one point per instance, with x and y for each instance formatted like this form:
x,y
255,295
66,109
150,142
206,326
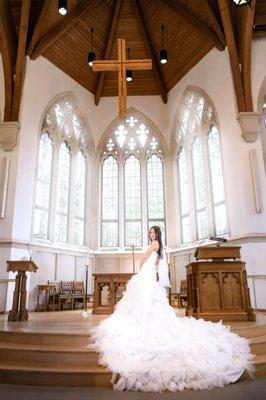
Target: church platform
x,y
50,349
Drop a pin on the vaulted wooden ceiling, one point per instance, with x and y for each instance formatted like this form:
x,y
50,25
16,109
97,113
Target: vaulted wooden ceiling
x,y
192,29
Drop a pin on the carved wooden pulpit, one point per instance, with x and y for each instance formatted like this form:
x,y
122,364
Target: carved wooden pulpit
x,y
217,285
113,283
19,311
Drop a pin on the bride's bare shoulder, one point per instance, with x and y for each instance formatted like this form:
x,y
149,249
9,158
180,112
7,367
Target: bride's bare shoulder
x,y
155,245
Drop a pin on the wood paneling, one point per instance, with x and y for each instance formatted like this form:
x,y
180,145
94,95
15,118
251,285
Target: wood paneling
x,y
192,29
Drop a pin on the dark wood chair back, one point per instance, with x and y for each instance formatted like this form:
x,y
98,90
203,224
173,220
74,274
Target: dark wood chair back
x,y
183,288
66,287
56,286
78,287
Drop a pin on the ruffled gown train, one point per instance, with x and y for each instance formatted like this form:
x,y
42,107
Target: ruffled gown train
x,y
148,348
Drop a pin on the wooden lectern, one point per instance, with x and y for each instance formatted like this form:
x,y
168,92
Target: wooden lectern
x,y
19,311
217,285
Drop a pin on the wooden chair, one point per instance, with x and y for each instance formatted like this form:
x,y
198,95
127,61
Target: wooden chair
x,y
53,301
182,295
174,299
66,295
78,293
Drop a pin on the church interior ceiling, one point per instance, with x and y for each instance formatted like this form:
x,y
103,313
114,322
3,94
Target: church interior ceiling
x,y
191,29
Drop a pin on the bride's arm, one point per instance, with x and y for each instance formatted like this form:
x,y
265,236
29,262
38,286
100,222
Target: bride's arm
x,y
152,247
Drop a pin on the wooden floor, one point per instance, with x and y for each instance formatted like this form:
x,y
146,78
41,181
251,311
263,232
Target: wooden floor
x,y
79,323
51,349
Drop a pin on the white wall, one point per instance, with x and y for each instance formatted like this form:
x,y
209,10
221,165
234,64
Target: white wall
x,y
212,74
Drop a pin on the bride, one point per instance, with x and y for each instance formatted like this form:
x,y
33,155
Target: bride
x,y
148,348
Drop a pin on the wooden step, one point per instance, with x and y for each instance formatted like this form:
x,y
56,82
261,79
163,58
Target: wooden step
x,y
250,331
61,358
258,345
47,355
56,375
45,338
62,375
260,368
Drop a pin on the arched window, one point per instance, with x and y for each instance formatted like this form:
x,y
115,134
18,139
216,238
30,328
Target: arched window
x,y
200,174
132,185
132,191
80,198
43,187
60,205
63,184
110,202
155,191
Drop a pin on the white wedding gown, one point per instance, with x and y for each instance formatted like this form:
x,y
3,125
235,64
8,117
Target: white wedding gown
x,y
148,348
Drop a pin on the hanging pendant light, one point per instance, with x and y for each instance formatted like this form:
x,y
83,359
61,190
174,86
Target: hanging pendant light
x,y
240,3
163,52
129,72
91,55
62,7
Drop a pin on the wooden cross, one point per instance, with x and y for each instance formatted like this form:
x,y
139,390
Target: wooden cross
x,y
121,65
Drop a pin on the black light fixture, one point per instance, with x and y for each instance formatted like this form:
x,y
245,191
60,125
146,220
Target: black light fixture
x,y
91,55
62,7
240,3
129,72
163,52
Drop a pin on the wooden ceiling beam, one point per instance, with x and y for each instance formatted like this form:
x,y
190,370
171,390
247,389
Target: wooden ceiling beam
x,y
245,22
108,49
213,20
260,19
8,46
233,54
259,33
147,40
38,27
62,27
21,60
194,24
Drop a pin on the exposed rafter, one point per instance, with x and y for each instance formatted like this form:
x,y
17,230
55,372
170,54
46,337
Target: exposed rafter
x,y
194,24
246,20
21,59
259,33
233,54
8,47
62,27
108,49
145,37
213,20
38,27
260,19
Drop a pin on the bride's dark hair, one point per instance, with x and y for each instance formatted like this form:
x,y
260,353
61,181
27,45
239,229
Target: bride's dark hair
x,y
158,237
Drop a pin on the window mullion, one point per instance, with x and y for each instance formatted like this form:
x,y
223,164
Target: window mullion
x,y
121,204
54,193
191,195
72,191
207,182
144,202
